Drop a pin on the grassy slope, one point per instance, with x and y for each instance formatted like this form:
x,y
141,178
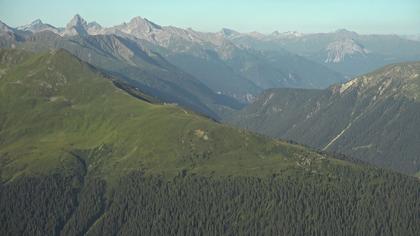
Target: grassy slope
x,y
67,116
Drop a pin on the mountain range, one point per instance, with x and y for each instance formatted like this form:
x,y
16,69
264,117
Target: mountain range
x,y
343,51
82,154
143,129
241,65
214,60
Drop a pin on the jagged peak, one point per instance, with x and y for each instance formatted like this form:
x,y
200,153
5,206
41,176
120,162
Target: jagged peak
x,y
77,20
33,24
76,26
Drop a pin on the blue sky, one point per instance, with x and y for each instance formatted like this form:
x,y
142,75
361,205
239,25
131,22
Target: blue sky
x,y
364,16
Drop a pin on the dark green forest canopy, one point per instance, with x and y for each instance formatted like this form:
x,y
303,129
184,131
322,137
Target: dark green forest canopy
x,y
367,203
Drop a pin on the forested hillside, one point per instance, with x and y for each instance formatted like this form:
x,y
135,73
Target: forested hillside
x,y
374,117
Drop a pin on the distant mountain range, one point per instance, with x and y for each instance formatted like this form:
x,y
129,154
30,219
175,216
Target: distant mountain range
x,y
135,63
343,51
374,117
223,66
211,58
241,65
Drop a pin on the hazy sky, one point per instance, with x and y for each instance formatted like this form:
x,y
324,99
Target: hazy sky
x,y
364,16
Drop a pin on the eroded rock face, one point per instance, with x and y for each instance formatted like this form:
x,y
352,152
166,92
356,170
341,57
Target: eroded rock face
x,y
337,51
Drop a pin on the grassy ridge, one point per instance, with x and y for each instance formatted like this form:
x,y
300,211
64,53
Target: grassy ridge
x,y
67,115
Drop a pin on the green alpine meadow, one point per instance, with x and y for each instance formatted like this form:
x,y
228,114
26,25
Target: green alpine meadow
x,y
157,120
69,115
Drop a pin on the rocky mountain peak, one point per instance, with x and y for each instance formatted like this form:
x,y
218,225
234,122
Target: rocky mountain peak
x,y
338,50
33,24
77,20
38,26
139,27
76,26
143,24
